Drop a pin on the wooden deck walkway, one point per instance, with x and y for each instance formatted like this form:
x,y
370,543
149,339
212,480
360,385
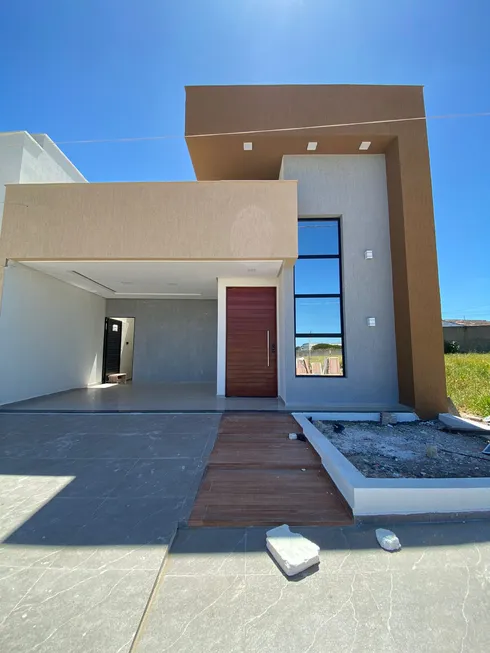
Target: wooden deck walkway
x,y
255,477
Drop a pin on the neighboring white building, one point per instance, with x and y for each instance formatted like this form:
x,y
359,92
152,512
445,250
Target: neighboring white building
x,y
32,159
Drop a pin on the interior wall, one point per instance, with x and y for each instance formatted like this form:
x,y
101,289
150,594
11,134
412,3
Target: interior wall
x,y
354,188
175,339
51,335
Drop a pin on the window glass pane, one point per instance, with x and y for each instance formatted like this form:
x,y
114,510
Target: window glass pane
x,y
316,276
318,237
319,357
318,315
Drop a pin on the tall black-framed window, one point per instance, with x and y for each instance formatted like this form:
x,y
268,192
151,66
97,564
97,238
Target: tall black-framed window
x,y
318,314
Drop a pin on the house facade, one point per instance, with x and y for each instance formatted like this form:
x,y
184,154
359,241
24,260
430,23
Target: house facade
x,y
33,159
300,264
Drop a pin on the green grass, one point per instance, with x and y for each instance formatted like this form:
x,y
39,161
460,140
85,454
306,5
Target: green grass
x,y
468,382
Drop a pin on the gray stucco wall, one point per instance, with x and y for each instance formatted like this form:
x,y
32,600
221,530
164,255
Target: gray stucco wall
x,y
470,338
354,188
174,339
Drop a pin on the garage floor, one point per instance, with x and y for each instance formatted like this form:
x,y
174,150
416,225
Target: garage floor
x,y
165,397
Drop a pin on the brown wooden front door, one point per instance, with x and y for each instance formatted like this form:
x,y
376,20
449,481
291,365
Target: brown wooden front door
x,y
251,345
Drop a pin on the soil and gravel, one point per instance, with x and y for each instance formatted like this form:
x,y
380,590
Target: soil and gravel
x,y
410,450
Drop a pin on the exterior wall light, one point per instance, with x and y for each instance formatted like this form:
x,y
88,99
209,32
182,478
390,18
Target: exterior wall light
x,y
247,146
368,254
371,321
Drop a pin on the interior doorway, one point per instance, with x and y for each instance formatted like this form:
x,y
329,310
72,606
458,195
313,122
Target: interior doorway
x,y
118,347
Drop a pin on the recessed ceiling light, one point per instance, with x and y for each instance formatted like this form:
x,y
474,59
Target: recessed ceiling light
x,y
365,145
247,146
312,145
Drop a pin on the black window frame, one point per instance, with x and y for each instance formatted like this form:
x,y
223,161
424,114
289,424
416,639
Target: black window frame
x,y
339,296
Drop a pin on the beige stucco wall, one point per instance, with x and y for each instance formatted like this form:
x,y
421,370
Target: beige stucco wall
x,y
185,220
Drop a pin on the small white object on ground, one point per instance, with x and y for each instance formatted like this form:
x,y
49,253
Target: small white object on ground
x,y
387,540
303,469
293,436
292,552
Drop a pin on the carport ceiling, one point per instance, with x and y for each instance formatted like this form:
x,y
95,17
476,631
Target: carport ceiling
x,y
153,279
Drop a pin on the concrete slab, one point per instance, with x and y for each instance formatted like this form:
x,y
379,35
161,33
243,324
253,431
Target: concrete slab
x,y
88,508
221,591
458,423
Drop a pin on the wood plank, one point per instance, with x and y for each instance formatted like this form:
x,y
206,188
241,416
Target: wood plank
x,y
255,477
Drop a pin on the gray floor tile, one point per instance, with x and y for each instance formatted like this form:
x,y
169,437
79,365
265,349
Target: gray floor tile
x,y
208,551
162,478
16,511
427,610
56,523
62,477
91,522
147,557
92,478
15,583
315,614
126,522
195,614
22,483
75,611
170,445
37,445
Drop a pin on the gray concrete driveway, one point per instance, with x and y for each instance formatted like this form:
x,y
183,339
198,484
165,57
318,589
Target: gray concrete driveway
x,y
88,507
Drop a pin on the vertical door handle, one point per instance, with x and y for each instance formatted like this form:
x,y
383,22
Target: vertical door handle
x,y
268,348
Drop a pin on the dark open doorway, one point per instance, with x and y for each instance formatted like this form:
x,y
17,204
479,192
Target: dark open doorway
x,y
118,347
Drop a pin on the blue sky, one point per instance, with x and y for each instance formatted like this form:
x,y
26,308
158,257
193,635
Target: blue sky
x,y
90,69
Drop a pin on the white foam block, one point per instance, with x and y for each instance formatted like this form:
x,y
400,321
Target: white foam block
x,y
292,552
387,540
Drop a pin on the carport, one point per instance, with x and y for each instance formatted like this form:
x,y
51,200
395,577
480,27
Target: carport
x,y
52,333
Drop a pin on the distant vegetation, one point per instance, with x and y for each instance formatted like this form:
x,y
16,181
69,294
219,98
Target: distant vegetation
x,y
451,347
468,382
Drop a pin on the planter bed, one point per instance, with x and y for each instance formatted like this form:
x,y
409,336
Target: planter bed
x,y
385,494
401,450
